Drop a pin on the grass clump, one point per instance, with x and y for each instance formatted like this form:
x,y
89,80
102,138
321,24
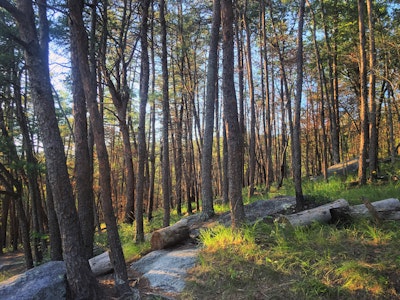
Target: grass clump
x,y
264,261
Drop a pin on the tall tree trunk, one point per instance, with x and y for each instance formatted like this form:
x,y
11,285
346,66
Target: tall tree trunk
x,y
212,83
322,84
165,122
296,142
83,173
152,158
234,141
252,142
364,128
80,278
333,86
373,129
144,91
80,44
267,112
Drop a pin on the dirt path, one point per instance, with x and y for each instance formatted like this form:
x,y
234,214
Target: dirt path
x,y
11,263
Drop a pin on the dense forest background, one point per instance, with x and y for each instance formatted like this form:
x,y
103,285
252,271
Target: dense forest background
x,y
112,109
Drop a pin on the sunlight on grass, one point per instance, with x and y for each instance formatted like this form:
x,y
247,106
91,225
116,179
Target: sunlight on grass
x,y
357,275
316,262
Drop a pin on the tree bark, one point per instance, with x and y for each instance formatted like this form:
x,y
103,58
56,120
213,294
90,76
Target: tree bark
x,y
373,129
234,141
319,214
80,278
170,236
83,173
212,83
364,128
296,142
80,44
165,123
144,90
252,141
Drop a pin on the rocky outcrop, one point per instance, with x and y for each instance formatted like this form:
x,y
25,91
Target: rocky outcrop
x,y
45,282
166,269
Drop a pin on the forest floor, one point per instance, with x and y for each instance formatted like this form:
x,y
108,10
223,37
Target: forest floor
x,y
264,284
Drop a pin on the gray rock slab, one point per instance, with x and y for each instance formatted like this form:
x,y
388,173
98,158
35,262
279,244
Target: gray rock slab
x,y
261,209
167,269
45,282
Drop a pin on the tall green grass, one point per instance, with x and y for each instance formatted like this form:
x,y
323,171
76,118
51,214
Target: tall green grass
x,y
315,262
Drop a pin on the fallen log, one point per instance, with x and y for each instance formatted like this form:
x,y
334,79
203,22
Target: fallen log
x,y
388,209
318,214
170,236
101,264
391,204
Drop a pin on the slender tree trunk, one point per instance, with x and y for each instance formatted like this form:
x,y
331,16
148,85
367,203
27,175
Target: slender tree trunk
x,y
333,86
373,129
296,142
165,122
321,87
144,91
225,163
267,112
252,142
80,278
83,173
234,141
364,128
80,44
212,83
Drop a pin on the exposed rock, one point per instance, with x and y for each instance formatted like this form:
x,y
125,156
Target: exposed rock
x,y
47,281
262,209
344,168
166,269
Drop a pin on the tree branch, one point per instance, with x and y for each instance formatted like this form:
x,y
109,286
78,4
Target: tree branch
x,y
14,11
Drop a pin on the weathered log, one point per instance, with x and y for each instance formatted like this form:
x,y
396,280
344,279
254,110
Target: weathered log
x,y
318,214
170,236
388,209
390,215
341,216
390,204
101,264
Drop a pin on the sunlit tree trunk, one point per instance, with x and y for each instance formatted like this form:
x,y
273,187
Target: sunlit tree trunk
x,y
234,140
373,130
364,127
321,85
